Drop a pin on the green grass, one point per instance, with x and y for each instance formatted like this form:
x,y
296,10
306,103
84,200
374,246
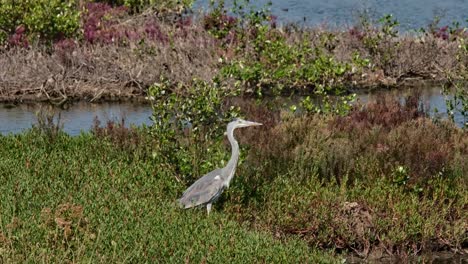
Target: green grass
x,y
82,199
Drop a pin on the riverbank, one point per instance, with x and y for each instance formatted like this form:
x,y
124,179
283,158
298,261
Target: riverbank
x,y
121,55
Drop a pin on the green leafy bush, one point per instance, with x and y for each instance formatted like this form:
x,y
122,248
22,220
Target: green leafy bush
x,y
379,40
44,20
260,59
189,121
274,65
218,22
457,94
11,14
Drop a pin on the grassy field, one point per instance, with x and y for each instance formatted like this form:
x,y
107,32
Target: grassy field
x,y
309,188
81,199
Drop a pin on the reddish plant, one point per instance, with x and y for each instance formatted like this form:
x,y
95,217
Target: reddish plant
x,y
19,37
449,34
421,146
65,45
273,21
356,33
184,22
153,32
117,133
384,112
64,49
219,22
441,33
99,25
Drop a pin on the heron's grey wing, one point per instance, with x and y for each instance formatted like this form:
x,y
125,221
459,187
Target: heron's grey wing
x,y
203,190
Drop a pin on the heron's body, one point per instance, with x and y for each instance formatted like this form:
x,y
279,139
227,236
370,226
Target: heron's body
x,y
208,188
205,190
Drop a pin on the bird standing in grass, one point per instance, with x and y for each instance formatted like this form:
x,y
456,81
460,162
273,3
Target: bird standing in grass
x,y
208,188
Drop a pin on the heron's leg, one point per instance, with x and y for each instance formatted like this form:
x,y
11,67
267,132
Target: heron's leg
x,y
208,208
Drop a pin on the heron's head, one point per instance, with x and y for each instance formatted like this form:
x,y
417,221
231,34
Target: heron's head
x,y
236,123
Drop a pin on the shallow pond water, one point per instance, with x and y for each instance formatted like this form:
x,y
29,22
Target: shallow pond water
x,y
80,116
412,14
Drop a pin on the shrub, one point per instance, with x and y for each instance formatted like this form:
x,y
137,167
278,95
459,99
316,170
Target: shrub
x,y
189,121
380,41
385,112
422,147
100,24
125,138
370,181
219,23
49,123
449,33
394,134
258,59
267,61
366,144
137,6
38,19
457,93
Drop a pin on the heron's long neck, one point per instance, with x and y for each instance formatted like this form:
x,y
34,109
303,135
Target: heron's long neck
x,y
231,166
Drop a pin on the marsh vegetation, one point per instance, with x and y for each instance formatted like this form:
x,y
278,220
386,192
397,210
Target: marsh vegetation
x,y
320,180
382,180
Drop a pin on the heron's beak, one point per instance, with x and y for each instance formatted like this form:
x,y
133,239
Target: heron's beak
x,y
250,123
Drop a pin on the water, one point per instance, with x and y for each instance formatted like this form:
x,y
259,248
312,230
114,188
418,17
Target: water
x,y
80,116
412,14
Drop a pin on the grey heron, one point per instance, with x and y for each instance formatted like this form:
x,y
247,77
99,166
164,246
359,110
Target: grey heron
x,y
208,188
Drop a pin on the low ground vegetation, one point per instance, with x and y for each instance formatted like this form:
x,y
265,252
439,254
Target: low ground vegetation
x,y
383,180
84,199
